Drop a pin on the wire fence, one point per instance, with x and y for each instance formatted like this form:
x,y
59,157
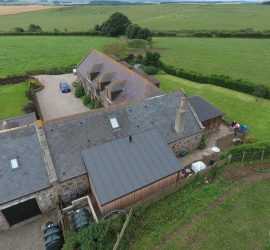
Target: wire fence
x,y
247,157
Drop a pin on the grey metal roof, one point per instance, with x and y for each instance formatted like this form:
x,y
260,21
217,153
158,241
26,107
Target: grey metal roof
x,y
68,136
137,87
18,121
31,176
204,109
120,167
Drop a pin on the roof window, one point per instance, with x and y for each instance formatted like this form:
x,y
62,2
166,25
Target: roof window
x,y
114,123
14,163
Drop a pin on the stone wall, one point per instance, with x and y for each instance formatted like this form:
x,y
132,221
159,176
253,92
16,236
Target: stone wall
x,y
188,144
48,199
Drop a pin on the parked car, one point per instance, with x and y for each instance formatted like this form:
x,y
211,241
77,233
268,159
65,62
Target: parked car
x,y
64,87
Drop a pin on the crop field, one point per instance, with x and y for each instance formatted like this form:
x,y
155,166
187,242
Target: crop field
x,y
248,59
21,54
8,10
237,106
155,17
12,100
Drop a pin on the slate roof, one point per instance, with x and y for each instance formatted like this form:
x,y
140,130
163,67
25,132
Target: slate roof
x,y
116,86
31,176
150,78
68,136
204,109
137,87
18,121
120,167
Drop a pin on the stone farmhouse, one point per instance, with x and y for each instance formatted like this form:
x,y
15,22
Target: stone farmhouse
x,y
118,155
112,81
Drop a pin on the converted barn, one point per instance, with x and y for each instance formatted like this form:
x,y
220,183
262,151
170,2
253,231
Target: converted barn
x,y
124,171
209,115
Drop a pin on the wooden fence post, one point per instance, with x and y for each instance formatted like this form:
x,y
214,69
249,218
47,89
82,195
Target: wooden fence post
x,y
253,156
122,231
243,157
262,155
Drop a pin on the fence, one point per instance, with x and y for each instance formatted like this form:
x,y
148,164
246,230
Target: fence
x,y
247,157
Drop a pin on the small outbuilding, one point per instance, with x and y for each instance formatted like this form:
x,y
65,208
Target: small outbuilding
x,y
124,171
208,114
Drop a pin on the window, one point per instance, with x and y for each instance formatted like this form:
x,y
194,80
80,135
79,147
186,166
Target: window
x,y
114,123
14,163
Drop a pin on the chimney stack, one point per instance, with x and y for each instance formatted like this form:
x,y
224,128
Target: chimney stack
x,y
180,118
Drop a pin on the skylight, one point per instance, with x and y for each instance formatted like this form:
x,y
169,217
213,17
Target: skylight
x,y
14,163
114,123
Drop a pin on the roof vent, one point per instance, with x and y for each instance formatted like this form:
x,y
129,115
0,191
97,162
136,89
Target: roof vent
x,y
114,123
14,163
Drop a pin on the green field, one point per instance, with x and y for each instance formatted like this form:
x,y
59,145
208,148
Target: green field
x,y
247,59
12,100
241,222
21,54
237,106
155,17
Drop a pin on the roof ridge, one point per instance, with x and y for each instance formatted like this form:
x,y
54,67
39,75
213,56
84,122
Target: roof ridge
x,y
124,67
84,57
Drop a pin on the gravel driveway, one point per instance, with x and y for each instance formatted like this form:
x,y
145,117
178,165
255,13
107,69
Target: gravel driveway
x,y
53,103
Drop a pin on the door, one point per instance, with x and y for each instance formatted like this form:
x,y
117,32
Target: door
x,y
21,212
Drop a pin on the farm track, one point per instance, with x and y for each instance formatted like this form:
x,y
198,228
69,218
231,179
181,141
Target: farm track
x,y
246,176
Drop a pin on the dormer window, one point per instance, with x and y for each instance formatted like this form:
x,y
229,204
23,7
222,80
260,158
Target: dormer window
x,y
94,71
14,163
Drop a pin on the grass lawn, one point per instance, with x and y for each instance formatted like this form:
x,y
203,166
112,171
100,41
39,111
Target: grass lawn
x,y
247,59
12,99
241,222
155,17
148,227
21,54
241,107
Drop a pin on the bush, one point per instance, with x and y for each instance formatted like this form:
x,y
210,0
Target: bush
x,y
18,29
79,91
135,31
150,70
250,147
152,58
87,100
34,28
30,108
249,139
202,143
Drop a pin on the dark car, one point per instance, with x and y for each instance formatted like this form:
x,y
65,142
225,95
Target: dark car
x,y
64,87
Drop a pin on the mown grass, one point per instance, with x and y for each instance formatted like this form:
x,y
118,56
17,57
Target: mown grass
x,y
12,100
248,59
240,222
22,54
155,17
237,106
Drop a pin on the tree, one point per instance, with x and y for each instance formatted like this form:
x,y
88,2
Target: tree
x,y
34,28
135,31
116,25
18,29
152,59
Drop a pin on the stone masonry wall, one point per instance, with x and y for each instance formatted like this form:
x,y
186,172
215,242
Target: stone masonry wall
x,y
188,144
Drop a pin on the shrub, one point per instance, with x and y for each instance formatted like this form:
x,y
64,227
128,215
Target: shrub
x,y
30,107
79,91
249,139
135,31
250,147
87,100
34,28
202,143
152,58
18,29
150,70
